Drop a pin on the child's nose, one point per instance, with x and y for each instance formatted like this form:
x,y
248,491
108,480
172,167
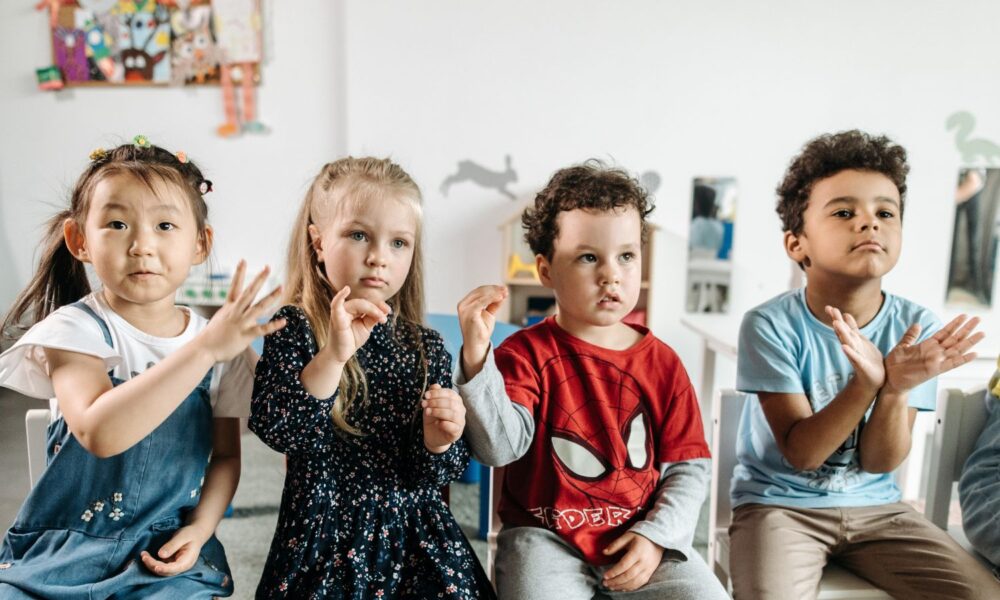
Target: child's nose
x,y
141,244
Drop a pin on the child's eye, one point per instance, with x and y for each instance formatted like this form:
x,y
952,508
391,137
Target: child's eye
x,y
587,258
166,226
399,244
885,214
627,257
844,213
357,236
120,225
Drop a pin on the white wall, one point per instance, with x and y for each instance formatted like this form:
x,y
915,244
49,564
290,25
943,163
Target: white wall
x,y
711,88
688,89
259,180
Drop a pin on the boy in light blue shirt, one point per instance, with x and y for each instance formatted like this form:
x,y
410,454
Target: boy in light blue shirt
x,y
979,487
840,369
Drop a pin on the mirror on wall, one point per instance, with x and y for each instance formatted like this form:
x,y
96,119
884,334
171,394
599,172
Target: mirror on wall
x,y
974,238
710,243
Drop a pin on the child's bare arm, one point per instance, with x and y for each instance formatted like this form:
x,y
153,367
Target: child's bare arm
x,y
807,438
221,478
108,420
885,441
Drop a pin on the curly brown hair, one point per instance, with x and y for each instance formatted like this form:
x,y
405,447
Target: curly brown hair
x,y
830,154
593,186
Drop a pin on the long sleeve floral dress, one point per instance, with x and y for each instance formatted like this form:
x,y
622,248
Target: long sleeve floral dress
x,y
361,517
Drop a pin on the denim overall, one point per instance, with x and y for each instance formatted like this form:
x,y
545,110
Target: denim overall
x,y
82,528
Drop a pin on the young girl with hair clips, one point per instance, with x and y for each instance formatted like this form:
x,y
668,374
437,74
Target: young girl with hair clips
x,y
144,456
356,392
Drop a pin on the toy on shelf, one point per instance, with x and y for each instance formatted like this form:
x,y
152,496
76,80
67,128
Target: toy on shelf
x,y
518,266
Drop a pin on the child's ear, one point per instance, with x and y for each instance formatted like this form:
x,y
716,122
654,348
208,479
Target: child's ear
x,y
204,246
543,267
316,241
75,241
795,249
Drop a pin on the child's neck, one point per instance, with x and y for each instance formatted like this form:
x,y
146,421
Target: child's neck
x,y
862,300
613,337
161,318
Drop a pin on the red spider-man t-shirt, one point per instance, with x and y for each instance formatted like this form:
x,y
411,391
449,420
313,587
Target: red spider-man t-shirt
x,y
604,422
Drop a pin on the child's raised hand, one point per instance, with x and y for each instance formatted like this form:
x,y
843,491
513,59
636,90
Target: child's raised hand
x,y
178,555
477,317
351,323
865,357
909,365
636,566
444,418
235,325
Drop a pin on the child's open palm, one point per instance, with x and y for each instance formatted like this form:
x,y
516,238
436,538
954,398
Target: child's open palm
x,y
351,323
178,555
910,364
865,357
235,325
444,418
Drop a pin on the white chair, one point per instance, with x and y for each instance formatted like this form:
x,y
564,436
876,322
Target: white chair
x,y
36,425
727,406
494,488
961,417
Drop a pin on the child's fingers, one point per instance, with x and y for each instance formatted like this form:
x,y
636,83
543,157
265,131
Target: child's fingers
x,y
625,581
966,329
444,414
338,300
246,298
628,561
162,568
438,392
236,285
444,401
453,430
270,327
359,307
619,543
265,303
949,329
910,336
850,321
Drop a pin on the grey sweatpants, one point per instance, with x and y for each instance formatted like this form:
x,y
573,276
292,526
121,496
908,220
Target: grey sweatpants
x,y
536,564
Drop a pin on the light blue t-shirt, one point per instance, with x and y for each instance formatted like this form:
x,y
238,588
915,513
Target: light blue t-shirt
x,y
784,348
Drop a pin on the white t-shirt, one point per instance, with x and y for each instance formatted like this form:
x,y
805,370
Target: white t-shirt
x,y
23,366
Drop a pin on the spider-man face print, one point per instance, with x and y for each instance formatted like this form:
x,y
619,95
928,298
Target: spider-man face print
x,y
600,431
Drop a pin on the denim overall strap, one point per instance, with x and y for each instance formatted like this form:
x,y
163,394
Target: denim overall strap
x,y
81,305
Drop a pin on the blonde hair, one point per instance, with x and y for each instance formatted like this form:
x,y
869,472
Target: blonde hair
x,y
355,180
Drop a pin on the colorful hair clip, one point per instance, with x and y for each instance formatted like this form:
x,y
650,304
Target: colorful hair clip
x,y
141,141
205,186
98,154
182,156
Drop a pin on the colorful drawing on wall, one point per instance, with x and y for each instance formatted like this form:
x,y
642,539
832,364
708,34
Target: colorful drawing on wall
x,y
237,30
483,177
145,42
974,151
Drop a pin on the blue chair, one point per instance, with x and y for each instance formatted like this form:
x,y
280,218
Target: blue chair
x,y
451,331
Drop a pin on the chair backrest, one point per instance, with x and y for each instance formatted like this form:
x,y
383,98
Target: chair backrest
x,y
496,484
36,427
727,406
961,417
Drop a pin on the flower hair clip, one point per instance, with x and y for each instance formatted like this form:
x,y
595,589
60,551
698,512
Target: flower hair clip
x,y
205,186
98,154
141,141
181,156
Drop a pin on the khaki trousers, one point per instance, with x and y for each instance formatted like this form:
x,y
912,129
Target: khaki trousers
x,y
777,552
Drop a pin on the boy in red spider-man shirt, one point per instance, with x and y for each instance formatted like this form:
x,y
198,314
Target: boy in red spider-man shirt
x,y
595,418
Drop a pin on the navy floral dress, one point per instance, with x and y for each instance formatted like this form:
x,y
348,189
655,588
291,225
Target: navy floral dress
x,y
361,517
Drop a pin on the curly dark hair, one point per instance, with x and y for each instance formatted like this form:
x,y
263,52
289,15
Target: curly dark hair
x,y
592,185
830,154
